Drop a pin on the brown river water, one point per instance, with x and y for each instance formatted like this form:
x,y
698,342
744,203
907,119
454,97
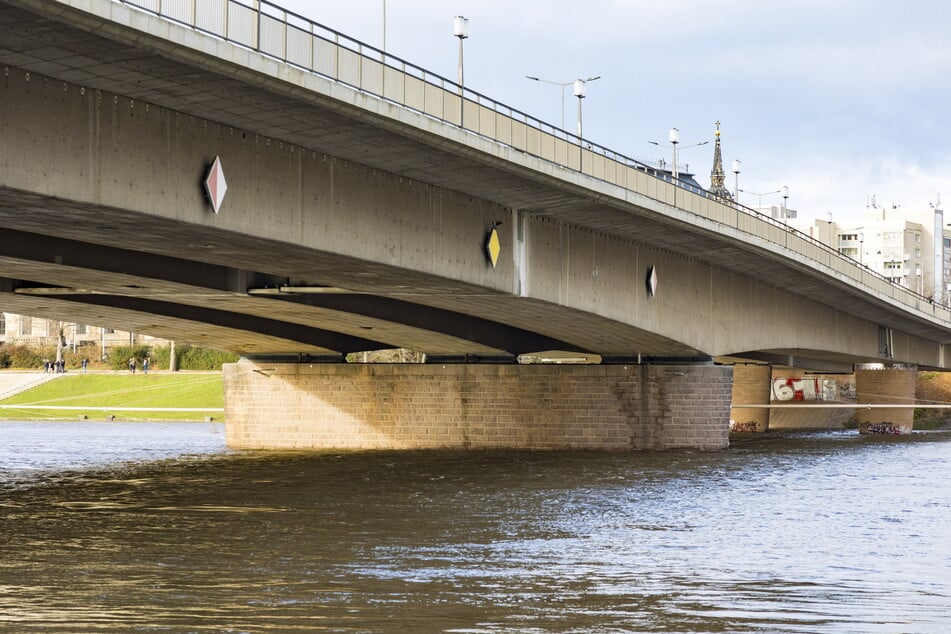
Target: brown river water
x,y
159,528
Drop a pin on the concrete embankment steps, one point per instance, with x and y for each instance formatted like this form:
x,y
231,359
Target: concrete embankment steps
x,y
15,382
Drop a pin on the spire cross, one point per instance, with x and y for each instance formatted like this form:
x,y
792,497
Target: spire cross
x,y
717,175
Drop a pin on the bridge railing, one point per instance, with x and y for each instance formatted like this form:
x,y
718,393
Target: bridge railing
x,y
269,29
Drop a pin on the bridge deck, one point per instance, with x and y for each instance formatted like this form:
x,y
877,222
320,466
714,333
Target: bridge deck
x,y
114,48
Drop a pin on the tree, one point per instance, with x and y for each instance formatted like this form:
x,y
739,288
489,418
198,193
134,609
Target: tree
x,y
59,329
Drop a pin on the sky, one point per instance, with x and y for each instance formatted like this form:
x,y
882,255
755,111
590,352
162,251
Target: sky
x,y
838,100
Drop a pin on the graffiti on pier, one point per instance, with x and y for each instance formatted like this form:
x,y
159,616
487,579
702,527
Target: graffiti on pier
x,y
738,427
804,389
883,429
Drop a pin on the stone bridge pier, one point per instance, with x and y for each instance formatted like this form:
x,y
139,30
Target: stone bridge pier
x,y
751,386
340,406
885,384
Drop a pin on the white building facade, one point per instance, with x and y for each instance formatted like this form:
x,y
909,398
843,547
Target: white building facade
x,y
35,331
910,247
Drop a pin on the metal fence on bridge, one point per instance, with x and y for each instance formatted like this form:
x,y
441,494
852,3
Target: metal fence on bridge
x,y
267,28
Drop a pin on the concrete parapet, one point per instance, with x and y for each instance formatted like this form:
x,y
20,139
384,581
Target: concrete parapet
x,y
546,407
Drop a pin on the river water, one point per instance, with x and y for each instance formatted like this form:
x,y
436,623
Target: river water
x,y
157,527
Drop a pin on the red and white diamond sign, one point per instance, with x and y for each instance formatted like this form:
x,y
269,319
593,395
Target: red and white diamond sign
x,y
215,184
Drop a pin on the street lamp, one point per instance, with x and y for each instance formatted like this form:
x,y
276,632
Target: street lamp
x,y
759,204
785,198
736,182
579,93
460,28
563,84
674,136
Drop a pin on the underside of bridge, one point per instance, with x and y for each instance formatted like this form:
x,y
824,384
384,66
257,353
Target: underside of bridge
x,y
250,312
351,224
189,278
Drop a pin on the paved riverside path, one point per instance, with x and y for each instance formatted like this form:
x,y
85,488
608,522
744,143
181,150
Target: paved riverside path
x,y
15,382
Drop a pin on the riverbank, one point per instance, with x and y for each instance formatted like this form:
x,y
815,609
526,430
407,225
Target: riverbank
x,y
158,396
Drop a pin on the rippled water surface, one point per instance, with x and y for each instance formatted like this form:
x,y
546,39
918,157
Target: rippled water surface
x,y
157,527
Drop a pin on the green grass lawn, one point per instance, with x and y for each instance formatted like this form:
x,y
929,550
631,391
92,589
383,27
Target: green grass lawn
x,y
115,391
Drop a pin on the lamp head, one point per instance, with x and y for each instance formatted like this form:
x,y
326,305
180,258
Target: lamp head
x,y
579,88
460,27
674,135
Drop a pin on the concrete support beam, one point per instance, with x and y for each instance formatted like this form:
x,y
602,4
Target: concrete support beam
x,y
800,362
470,358
751,386
885,385
424,406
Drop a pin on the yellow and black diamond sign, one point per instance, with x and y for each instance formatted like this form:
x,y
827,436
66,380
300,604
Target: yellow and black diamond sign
x,y
493,247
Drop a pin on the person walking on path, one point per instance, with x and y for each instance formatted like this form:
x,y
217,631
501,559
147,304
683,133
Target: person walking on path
x,y
132,365
145,365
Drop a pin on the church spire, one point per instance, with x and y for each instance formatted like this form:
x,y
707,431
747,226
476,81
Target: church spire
x,y
717,176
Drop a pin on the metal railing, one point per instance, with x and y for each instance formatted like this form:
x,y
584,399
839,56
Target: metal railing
x,y
291,38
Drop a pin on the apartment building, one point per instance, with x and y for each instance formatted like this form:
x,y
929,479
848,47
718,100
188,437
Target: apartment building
x,y
911,247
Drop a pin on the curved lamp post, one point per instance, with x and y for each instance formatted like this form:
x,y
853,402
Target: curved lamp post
x,y
673,135
759,203
563,84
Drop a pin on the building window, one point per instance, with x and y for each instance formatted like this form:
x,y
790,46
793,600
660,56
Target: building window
x,y
917,238
26,325
81,329
3,324
848,237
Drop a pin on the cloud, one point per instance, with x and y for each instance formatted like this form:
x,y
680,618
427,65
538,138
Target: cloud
x,y
824,186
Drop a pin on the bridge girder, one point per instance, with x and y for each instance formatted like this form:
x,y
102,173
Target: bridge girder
x,y
574,227
75,277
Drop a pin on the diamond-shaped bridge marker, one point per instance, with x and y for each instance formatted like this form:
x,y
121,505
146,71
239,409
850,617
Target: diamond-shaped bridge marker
x,y
216,185
493,247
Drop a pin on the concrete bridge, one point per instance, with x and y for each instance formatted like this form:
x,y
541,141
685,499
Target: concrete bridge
x,y
370,204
